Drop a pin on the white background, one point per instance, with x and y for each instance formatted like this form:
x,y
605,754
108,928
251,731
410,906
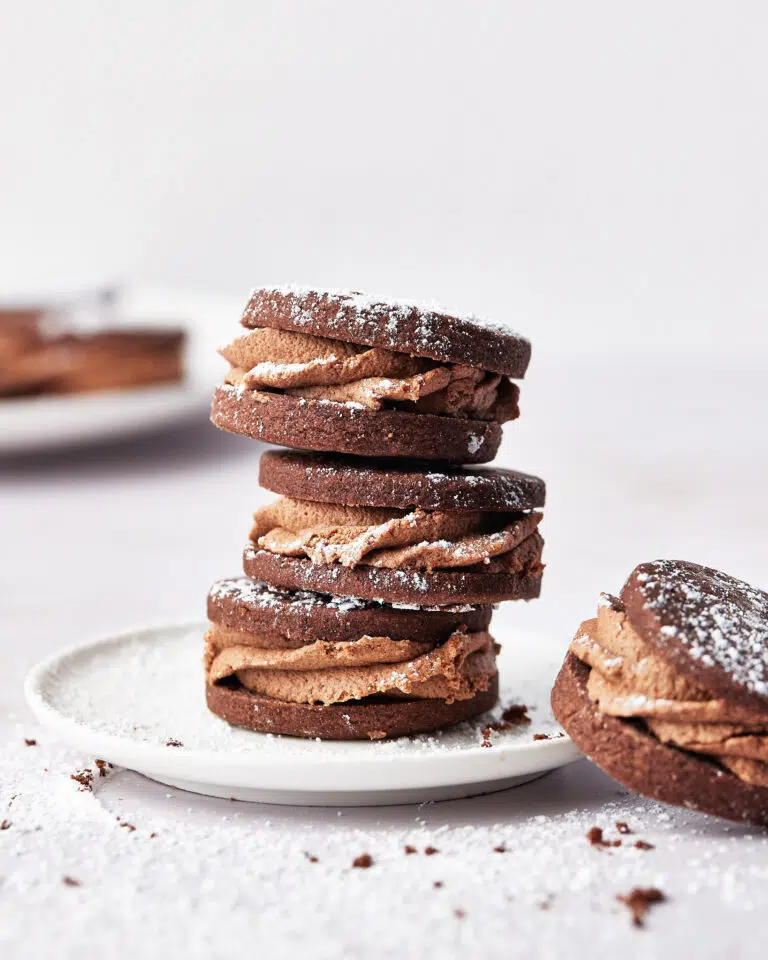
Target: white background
x,y
593,172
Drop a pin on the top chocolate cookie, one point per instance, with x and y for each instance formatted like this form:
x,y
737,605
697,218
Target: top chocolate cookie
x,y
420,330
710,626
345,373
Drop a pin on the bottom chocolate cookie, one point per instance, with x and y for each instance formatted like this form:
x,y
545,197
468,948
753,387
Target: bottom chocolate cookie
x,y
371,719
625,751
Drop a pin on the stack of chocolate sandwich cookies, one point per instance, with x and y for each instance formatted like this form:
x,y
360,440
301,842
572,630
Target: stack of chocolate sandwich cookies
x,y
370,580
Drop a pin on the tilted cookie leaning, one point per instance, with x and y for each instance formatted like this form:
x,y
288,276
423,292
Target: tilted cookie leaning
x,y
667,689
346,373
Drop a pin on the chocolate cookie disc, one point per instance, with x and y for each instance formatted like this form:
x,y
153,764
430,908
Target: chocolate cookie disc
x,y
705,623
246,605
330,479
420,330
426,588
372,719
326,425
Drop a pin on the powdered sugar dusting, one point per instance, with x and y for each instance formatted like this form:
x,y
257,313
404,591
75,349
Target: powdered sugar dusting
x,y
721,621
259,595
395,308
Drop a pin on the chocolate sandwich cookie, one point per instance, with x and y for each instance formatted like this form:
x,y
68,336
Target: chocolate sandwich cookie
x,y
401,532
667,689
346,373
312,665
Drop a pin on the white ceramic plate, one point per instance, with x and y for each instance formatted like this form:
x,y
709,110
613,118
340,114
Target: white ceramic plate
x,y
30,424
123,699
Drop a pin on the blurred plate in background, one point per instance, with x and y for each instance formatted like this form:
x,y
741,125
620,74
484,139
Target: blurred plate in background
x,y
47,422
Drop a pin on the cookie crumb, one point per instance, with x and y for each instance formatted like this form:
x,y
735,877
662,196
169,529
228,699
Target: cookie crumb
x,y
364,861
623,827
459,913
409,849
103,766
516,714
500,849
311,857
438,884
30,743
70,882
639,900
173,743
596,839
541,736
84,779
644,845
5,825
124,823
430,851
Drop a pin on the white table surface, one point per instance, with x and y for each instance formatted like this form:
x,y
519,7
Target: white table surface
x,y
642,460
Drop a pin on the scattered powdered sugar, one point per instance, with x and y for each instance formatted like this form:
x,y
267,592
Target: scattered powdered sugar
x,y
474,442
512,874
721,621
373,308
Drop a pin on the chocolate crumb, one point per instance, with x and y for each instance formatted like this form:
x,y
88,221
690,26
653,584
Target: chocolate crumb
x,y
174,743
103,766
513,716
311,857
152,836
596,839
70,882
30,743
124,823
409,849
5,825
516,714
437,884
622,827
84,778
640,900
541,736
459,913
430,851
500,849
364,861
644,845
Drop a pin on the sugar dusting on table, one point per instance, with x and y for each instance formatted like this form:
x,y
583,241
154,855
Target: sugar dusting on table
x,y
512,875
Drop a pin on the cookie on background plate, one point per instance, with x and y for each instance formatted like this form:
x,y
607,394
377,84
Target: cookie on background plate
x,y
397,531
310,665
346,373
667,689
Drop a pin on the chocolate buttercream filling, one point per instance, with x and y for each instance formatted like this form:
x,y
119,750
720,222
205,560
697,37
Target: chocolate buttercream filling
x,y
328,533
319,368
335,672
627,679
